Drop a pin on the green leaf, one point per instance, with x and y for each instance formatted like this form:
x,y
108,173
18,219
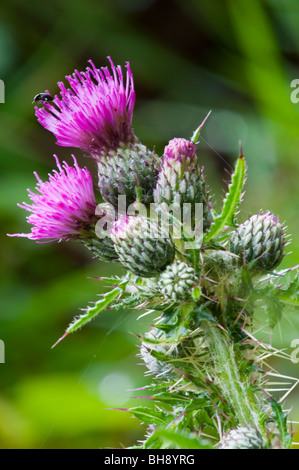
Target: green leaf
x,y
281,422
100,305
153,442
289,294
129,302
175,399
273,308
231,201
201,314
196,293
268,299
151,416
203,419
91,312
182,440
109,280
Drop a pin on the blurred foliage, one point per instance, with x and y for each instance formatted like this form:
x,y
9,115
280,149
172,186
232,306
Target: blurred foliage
x,y
236,58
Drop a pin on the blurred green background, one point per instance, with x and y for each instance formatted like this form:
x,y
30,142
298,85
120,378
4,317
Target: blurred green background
x,y
236,58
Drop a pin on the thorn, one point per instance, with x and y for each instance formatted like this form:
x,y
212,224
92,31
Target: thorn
x,y
294,267
240,149
196,133
204,121
135,389
60,339
221,327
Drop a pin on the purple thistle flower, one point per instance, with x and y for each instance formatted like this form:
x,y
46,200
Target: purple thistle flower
x,y
63,207
179,149
95,114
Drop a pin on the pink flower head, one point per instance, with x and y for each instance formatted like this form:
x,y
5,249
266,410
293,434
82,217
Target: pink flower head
x,y
179,149
63,207
95,114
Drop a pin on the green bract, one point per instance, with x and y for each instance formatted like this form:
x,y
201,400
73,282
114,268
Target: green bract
x,y
142,247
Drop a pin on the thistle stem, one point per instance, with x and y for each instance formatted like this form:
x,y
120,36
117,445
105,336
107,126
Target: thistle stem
x,y
228,375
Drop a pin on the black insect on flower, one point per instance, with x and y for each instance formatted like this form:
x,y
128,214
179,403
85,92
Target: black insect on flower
x,y
42,97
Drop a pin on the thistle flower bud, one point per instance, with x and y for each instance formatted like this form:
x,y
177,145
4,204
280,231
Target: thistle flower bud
x,y
125,169
177,280
142,247
181,179
242,438
261,239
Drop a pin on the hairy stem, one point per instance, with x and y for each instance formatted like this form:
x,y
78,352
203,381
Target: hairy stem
x,y
228,375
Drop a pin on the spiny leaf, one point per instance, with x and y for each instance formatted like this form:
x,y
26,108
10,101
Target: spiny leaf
x,y
289,294
151,416
131,301
155,388
201,314
231,201
108,280
281,422
91,312
273,308
172,398
182,440
268,297
97,308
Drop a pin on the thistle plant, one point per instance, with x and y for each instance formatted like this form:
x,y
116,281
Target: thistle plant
x,y
209,372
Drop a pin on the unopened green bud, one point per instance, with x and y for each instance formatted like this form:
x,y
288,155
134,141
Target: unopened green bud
x,y
261,239
142,246
242,438
127,170
177,281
